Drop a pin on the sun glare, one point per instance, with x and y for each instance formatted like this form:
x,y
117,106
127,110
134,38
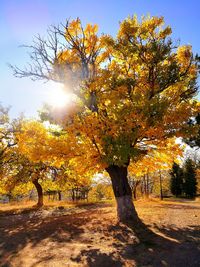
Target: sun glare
x,y
58,97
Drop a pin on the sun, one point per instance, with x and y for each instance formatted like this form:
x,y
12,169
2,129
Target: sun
x,y
59,97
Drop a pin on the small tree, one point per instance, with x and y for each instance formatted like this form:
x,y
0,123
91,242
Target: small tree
x,y
190,182
176,184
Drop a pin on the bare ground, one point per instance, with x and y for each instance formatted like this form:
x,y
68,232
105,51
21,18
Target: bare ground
x,y
90,236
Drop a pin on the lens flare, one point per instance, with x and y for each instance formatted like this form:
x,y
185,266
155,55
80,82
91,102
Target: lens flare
x,y
59,97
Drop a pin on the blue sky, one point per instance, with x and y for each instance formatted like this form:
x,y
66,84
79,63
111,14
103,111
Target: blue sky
x,y
20,20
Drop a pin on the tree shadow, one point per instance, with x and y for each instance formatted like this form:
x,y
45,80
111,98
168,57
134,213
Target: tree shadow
x,y
138,245
178,206
162,246
133,243
16,231
187,234
95,258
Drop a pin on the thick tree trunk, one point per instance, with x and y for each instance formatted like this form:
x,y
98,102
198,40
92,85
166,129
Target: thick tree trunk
x,y
39,192
123,194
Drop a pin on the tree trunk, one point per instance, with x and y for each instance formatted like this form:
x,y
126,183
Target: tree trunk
x,y
135,189
147,184
9,197
59,196
134,193
30,194
73,195
123,194
39,192
161,190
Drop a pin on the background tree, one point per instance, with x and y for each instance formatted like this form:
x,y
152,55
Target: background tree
x,y
149,170
194,128
8,129
176,182
77,181
134,182
190,182
134,93
21,171
101,191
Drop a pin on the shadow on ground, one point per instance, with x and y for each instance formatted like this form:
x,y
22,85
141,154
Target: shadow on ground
x,y
115,245
136,246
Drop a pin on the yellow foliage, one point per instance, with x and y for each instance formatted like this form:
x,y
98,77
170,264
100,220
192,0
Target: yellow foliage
x,y
135,95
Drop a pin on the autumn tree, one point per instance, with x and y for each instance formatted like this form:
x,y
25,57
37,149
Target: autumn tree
x,y
148,171
16,168
54,159
77,180
53,183
32,172
101,191
20,171
8,142
5,138
7,130
134,182
134,92
33,168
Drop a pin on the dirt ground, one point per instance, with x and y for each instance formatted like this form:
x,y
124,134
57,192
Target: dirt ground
x,y
90,236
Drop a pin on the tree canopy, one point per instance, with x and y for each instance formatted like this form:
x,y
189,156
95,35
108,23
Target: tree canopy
x,y
134,92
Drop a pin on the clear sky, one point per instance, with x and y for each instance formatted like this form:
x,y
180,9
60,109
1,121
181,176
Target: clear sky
x,y
20,20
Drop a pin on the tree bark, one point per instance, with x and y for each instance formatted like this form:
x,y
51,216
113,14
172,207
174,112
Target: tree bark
x,y
147,185
135,189
123,194
161,190
134,193
39,192
73,195
59,196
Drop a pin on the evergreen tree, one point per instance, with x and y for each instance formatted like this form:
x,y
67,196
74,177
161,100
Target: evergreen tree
x,y
190,182
176,183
